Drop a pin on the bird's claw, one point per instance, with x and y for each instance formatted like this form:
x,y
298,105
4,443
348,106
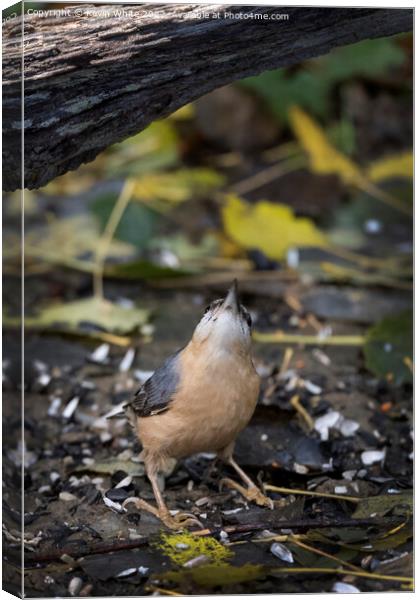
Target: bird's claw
x,y
175,522
252,493
180,520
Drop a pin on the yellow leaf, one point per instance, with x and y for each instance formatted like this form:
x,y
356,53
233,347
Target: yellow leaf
x,y
324,158
398,165
271,228
178,186
185,113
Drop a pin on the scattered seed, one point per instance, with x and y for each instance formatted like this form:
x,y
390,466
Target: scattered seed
x,y
202,501
67,497
182,546
127,361
75,586
196,561
127,572
114,505
370,457
55,404
70,408
312,388
301,469
124,482
281,552
345,588
100,355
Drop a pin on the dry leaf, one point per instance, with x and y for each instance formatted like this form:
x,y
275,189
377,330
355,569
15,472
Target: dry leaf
x,y
396,166
271,228
324,158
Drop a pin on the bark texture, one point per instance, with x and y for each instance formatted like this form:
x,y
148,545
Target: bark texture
x,y
97,75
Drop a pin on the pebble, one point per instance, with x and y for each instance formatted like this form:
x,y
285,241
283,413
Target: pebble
x,y
75,586
345,588
143,570
281,552
370,457
340,489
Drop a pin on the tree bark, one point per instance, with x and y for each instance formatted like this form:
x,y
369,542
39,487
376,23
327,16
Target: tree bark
x,y
96,75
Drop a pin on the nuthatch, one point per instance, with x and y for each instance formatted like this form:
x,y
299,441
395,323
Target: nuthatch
x,y
198,401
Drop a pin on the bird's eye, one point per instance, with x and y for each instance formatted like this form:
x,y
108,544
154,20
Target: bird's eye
x,y
207,309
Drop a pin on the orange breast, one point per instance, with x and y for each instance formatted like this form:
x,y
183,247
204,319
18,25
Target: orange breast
x,y
214,403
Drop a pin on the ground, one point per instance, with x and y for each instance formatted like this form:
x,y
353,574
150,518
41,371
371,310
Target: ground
x,y
73,461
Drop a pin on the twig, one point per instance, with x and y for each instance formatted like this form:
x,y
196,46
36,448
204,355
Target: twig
x,y
226,277
279,337
320,571
297,542
267,175
107,236
301,410
284,490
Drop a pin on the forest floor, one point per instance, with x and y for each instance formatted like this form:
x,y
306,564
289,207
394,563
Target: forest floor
x,y
349,435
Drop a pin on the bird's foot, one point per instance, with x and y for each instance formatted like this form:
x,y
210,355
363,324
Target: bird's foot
x,y
252,493
176,522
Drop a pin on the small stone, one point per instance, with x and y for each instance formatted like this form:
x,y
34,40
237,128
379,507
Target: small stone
x,y
142,570
340,489
282,552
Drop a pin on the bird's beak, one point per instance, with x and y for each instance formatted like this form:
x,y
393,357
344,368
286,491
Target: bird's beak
x,y
232,300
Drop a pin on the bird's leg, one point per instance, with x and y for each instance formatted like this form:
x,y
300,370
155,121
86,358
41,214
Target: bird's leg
x,y
252,493
177,521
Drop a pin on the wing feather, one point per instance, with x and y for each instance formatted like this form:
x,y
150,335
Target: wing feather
x,y
156,393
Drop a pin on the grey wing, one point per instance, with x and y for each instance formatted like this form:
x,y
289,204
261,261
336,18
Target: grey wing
x,y
156,393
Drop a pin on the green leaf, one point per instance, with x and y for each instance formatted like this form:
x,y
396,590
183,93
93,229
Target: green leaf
x,y
83,314
383,504
177,186
157,147
137,225
389,347
143,269
109,467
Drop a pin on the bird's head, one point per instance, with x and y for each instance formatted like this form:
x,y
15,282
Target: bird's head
x,y
225,325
